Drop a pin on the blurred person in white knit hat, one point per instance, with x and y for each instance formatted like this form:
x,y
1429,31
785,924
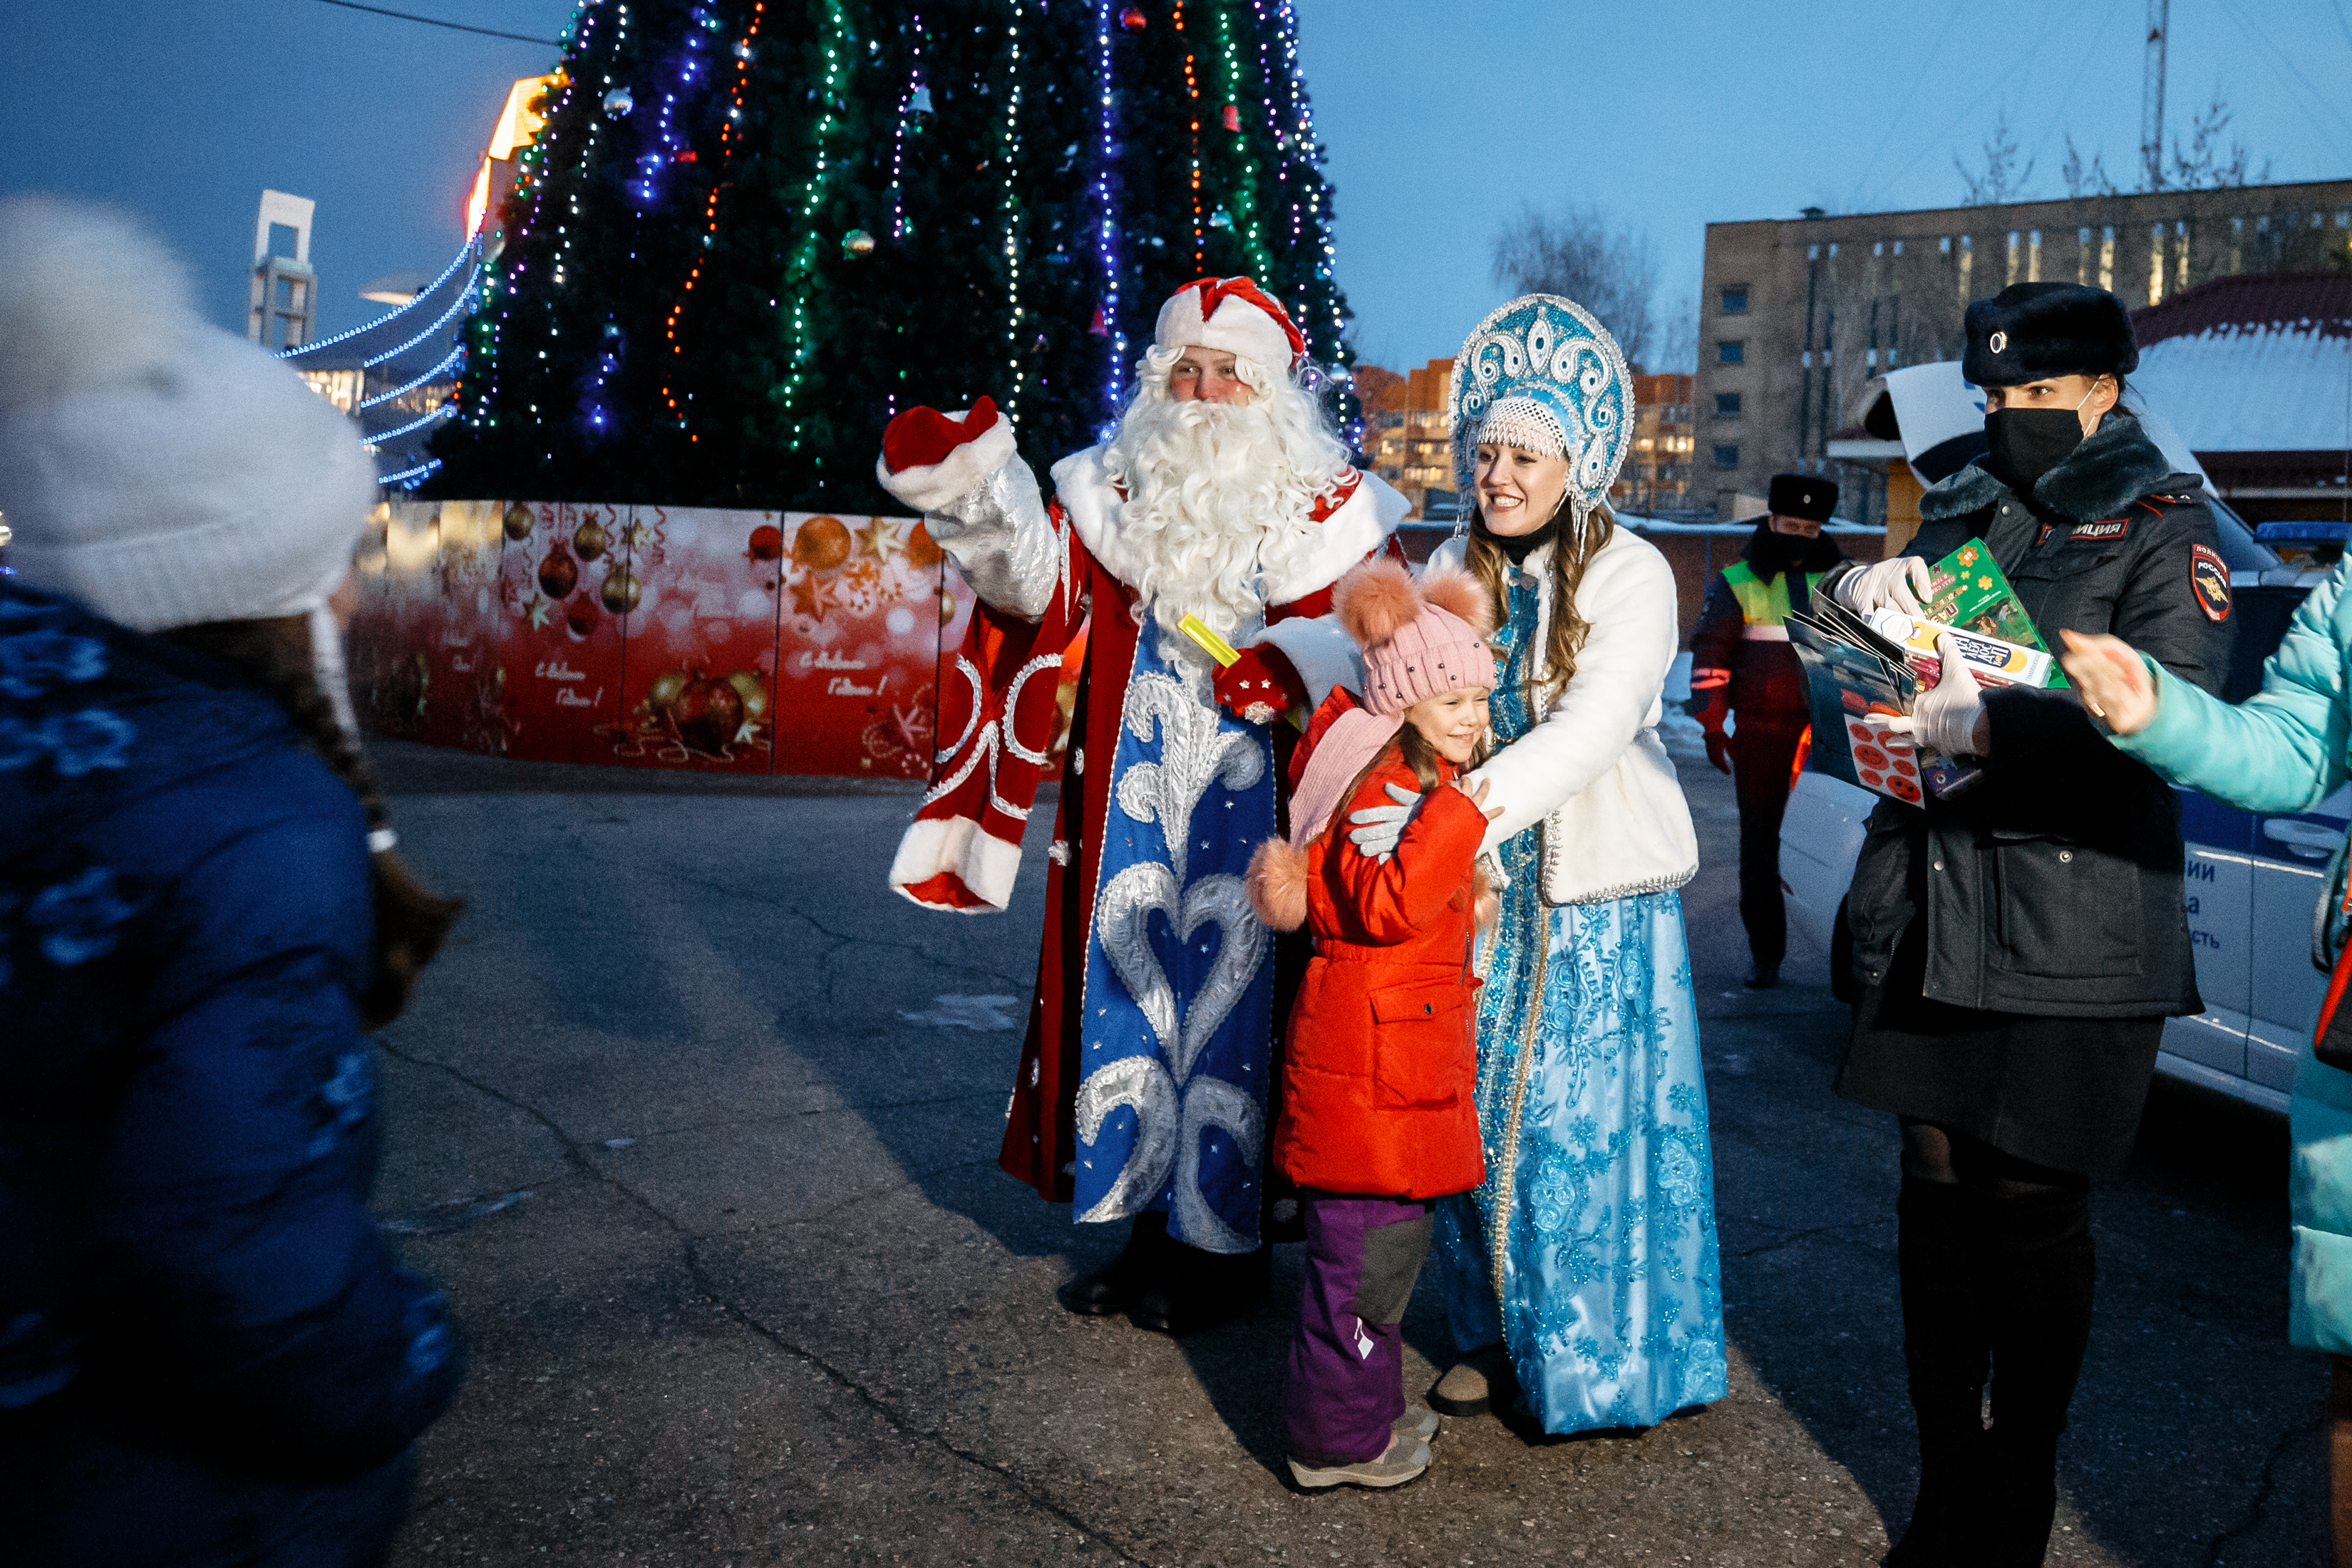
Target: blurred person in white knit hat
x,y
208,1353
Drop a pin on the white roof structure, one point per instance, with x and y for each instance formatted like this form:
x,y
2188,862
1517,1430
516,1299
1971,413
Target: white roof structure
x,y
2252,364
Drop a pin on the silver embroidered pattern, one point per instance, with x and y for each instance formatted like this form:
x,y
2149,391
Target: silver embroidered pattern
x,y
1000,539
1173,1109
1141,1085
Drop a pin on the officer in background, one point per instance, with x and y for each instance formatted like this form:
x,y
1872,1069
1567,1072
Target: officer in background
x,y
1741,663
2021,944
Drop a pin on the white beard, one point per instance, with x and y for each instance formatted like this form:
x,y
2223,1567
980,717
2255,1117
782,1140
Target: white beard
x,y
1219,506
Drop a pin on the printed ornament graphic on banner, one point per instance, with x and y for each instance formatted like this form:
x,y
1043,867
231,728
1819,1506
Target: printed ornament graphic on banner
x,y
698,687
562,656
862,621
421,652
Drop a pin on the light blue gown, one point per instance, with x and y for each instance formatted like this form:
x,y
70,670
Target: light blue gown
x,y
1599,1204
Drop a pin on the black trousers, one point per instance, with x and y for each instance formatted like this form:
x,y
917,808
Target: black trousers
x,y
1763,750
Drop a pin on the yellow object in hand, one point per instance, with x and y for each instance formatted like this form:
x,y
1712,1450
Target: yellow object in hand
x,y
1227,655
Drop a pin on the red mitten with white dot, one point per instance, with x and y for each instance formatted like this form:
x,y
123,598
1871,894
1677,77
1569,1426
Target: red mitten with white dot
x,y
1261,686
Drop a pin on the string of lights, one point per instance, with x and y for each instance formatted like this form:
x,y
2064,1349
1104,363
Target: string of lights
x,y
455,357
465,257
915,100
409,478
438,411
1012,210
743,51
1106,239
464,297
802,272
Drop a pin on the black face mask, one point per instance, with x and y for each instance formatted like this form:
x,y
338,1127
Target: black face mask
x,y
2027,443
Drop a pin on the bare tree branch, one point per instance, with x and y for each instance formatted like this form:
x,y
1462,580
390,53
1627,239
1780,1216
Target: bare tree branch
x,y
1612,271
2002,181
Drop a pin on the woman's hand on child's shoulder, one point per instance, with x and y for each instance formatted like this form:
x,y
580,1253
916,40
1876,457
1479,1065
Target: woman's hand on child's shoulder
x,y
1478,798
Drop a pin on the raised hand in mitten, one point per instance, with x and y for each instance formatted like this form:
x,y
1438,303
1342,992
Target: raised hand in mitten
x,y
923,436
1260,686
930,460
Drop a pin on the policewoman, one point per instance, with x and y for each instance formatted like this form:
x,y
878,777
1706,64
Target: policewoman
x,y
2021,944
1742,664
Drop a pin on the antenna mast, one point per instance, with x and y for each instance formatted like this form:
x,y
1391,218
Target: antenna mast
x,y
2151,97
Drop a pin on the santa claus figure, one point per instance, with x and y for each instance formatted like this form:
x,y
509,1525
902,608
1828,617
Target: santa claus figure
x,y
1224,504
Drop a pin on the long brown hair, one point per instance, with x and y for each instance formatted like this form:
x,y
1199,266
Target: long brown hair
x,y
410,923
1572,551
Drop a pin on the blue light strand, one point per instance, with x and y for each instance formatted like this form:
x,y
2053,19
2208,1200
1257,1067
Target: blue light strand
x,y
1106,241
409,478
899,143
455,356
422,420
464,253
464,297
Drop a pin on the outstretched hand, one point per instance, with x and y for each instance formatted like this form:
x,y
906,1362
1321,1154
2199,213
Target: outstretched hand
x,y
2113,681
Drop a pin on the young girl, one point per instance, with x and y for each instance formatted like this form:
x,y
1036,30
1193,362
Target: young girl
x,y
1377,1114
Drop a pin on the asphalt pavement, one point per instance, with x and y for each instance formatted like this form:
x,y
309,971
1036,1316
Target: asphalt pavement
x,y
698,1122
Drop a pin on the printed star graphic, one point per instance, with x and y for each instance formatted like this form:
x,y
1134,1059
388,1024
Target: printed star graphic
x,y
813,597
747,732
880,538
540,610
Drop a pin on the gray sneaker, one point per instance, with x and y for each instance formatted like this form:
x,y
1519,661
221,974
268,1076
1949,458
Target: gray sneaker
x,y
1471,1385
1418,1421
1406,1458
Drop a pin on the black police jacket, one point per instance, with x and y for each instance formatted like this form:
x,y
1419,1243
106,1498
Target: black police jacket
x,y
2054,888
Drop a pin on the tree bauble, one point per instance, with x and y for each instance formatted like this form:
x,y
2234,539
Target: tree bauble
x,y
664,689
558,573
592,540
581,616
822,543
518,522
767,543
922,549
753,690
622,590
706,713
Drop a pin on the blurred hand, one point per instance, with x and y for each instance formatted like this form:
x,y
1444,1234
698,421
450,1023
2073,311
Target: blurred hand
x,y
2113,681
1718,749
1478,798
1901,584
1948,717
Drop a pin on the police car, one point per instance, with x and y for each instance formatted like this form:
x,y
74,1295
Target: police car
x,y
2254,881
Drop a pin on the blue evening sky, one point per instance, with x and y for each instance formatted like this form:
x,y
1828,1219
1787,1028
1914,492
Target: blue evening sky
x,y
1442,116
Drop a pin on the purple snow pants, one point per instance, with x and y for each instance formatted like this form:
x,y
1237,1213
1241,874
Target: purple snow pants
x,y
1347,1362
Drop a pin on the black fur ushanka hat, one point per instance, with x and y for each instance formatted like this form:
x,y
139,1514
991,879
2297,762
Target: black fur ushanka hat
x,y
2030,331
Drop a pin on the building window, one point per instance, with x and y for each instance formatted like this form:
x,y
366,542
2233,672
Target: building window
x,y
1944,245
1726,405
1730,351
1734,298
1898,248
1727,457
1812,253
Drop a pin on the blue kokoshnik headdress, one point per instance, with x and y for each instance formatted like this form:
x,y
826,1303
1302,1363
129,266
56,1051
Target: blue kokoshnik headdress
x,y
1541,375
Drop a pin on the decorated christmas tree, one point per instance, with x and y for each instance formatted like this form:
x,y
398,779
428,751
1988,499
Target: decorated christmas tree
x,y
753,231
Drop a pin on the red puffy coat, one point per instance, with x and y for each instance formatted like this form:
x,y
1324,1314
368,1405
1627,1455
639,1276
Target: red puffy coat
x,y
1380,1062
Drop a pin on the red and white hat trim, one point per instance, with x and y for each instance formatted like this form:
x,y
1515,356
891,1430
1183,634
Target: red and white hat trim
x,y
1234,314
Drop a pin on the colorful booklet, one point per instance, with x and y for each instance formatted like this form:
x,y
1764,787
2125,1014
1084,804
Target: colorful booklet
x,y
1856,680
1968,590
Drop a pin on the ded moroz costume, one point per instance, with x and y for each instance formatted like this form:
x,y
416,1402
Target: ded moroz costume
x,y
1742,664
1142,1086
1585,1261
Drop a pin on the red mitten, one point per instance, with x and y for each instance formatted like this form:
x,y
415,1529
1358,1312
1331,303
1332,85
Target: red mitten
x,y
1261,686
923,436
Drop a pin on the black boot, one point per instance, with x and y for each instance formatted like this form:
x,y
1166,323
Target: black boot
x,y
1118,1284
2040,1294
1200,1290
1946,1347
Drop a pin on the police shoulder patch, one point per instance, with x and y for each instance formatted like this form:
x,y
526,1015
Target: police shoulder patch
x,y
2209,581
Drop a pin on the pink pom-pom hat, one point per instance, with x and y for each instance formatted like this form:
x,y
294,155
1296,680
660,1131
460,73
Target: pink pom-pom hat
x,y
1419,640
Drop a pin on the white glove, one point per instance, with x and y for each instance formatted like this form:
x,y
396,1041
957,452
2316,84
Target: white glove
x,y
1945,716
1378,830
1901,584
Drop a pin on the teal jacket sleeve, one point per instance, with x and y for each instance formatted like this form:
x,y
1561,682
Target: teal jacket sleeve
x,y
2282,749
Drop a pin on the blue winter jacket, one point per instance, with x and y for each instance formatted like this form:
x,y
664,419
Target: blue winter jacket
x,y
208,1353
2285,749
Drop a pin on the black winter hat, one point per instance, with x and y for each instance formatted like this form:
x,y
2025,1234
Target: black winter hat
x,y
1801,495
2030,331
